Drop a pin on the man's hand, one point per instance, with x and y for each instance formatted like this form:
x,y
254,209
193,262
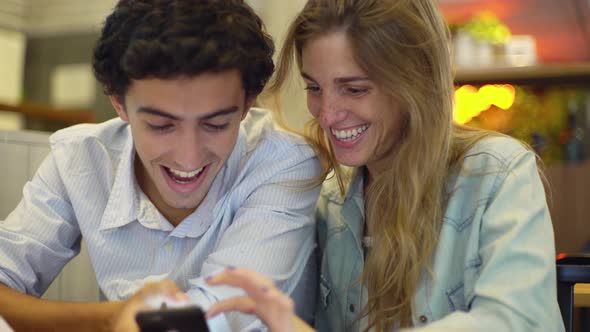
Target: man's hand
x,y
27,313
147,298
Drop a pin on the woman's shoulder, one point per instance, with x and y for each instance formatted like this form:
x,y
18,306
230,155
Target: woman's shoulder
x,y
488,162
486,166
498,150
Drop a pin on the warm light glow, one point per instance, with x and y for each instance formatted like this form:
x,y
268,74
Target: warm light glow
x,y
470,101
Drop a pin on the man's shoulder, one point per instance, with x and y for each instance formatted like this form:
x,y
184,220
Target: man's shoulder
x,y
112,134
265,152
264,135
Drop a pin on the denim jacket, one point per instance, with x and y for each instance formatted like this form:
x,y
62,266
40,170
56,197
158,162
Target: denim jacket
x,y
494,265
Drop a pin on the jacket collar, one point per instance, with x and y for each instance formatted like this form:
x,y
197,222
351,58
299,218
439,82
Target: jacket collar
x,y
353,207
356,190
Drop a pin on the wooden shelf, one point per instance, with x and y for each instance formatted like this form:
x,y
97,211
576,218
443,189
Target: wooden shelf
x,y
43,112
582,295
548,74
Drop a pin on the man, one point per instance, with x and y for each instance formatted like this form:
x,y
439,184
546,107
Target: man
x,y
188,181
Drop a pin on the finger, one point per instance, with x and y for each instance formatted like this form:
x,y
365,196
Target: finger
x,y
254,284
242,304
168,288
241,274
276,310
165,288
279,300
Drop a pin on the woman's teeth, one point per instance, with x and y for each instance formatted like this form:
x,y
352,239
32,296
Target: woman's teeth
x,y
349,134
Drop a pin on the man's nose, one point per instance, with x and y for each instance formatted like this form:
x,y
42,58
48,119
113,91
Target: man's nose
x,y
188,151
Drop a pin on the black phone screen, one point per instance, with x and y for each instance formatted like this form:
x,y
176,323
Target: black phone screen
x,y
187,319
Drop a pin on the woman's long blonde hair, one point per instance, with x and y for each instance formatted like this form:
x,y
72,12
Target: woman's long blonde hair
x,y
403,45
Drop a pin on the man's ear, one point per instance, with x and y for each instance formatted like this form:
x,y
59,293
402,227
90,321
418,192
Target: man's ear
x,y
119,107
249,103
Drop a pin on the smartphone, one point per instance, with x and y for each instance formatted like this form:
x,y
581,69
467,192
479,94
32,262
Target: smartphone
x,y
186,319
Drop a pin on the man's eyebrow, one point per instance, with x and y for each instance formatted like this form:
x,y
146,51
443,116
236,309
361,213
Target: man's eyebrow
x,y
157,112
346,79
224,111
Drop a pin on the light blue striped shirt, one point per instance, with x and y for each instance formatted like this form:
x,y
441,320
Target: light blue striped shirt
x,y
256,215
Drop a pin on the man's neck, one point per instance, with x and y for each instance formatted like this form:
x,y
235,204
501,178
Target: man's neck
x,y
176,216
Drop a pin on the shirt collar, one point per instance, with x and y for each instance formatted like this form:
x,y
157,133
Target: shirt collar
x,y
123,203
127,202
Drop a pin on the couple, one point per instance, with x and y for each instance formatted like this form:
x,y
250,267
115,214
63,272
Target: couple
x,y
431,225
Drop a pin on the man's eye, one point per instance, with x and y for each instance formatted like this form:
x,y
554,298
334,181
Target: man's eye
x,y
159,127
216,127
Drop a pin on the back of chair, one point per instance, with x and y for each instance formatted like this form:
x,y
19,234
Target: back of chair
x,y
571,269
21,153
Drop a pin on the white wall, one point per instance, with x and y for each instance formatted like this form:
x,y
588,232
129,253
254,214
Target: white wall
x,y
12,58
12,20
12,44
51,17
12,14
277,15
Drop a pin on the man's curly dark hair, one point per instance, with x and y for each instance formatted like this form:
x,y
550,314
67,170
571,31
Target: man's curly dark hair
x,y
182,38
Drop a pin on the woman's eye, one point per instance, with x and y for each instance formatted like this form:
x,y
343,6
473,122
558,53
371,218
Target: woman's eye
x,y
312,88
356,91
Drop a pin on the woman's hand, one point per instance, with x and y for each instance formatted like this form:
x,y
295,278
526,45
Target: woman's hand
x,y
125,320
275,309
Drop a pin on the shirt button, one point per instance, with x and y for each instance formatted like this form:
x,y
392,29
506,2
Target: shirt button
x,y
168,247
352,308
423,319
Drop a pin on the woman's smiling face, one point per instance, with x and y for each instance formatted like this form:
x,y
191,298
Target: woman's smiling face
x,y
362,122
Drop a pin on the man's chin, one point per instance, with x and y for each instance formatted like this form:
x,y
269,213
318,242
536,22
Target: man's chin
x,y
184,205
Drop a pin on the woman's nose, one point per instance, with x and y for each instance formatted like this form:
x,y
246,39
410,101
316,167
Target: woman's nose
x,y
330,112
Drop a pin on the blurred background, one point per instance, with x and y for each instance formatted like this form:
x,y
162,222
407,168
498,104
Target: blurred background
x,y
522,68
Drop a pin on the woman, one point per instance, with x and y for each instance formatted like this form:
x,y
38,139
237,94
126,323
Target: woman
x,y
438,224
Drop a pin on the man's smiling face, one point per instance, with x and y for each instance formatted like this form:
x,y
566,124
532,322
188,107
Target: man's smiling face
x,y
184,129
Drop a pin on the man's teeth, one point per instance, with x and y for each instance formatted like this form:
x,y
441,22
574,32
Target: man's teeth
x,y
349,134
186,175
